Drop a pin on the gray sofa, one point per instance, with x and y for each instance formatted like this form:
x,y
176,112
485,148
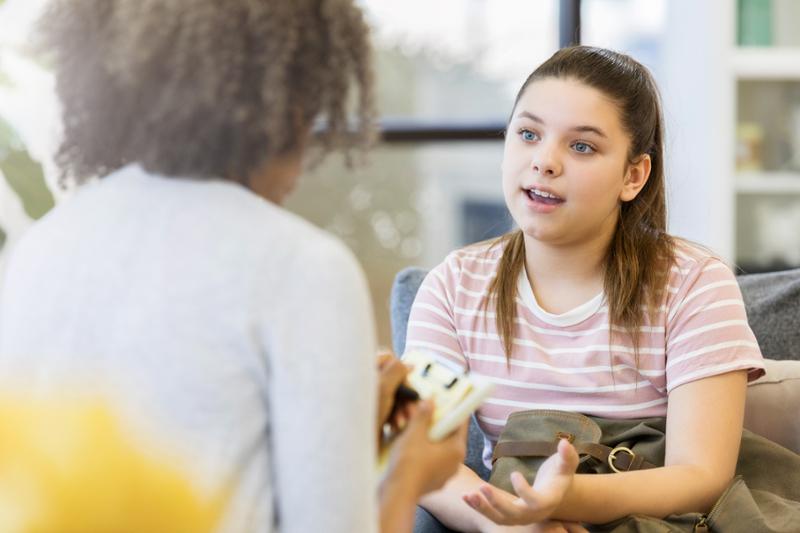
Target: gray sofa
x,y
773,309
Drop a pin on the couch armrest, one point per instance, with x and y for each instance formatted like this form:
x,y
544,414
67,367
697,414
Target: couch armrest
x,y
772,408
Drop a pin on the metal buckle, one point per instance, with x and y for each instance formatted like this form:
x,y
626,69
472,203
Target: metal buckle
x,y
564,435
613,456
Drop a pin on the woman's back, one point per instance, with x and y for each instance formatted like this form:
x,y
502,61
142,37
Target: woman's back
x,y
194,305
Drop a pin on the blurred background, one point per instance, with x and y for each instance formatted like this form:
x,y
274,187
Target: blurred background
x,y
447,73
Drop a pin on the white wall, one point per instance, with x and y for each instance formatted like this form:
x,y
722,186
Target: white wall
x,y
698,97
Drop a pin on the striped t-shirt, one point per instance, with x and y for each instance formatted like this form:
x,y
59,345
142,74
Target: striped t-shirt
x,y
565,361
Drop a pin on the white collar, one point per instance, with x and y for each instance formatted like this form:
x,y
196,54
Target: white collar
x,y
569,318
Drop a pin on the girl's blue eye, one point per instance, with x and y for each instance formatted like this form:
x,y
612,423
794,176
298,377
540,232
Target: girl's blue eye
x,y
528,135
583,148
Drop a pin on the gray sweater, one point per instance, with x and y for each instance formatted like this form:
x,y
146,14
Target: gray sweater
x,y
234,334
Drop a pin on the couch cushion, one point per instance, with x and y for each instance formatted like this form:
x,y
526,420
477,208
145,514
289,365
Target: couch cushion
x,y
773,310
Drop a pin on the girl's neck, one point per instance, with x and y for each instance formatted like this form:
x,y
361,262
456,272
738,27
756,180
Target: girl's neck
x,y
564,277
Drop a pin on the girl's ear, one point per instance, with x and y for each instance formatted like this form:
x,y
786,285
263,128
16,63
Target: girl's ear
x,y
635,178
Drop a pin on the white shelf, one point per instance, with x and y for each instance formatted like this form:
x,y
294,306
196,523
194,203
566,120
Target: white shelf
x,y
768,183
766,63
701,82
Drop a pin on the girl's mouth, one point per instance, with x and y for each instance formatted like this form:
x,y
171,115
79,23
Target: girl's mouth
x,y
543,197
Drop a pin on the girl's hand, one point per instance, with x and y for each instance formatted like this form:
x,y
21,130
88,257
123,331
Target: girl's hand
x,y
533,504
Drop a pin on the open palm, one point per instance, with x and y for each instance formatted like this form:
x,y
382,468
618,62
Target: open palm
x,y
531,504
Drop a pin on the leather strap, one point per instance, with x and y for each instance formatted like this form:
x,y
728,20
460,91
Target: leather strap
x,y
622,461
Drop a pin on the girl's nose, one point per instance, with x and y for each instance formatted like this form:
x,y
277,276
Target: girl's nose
x,y
545,164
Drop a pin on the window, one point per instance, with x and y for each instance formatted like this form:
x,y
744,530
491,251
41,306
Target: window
x,y
446,71
28,120
631,26
447,75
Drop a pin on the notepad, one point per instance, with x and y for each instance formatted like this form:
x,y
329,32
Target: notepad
x,y
455,394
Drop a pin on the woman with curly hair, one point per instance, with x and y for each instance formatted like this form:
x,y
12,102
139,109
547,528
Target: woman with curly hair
x,y
174,283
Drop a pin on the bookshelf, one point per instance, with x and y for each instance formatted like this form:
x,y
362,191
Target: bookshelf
x,y
766,62
733,131
768,183
765,74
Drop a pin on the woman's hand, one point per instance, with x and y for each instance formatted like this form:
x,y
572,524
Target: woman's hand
x,y
533,504
391,373
416,465
425,465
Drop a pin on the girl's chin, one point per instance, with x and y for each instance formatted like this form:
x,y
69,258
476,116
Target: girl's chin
x,y
540,233
535,225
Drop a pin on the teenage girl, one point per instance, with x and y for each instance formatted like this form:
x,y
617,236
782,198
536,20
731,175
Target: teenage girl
x,y
591,307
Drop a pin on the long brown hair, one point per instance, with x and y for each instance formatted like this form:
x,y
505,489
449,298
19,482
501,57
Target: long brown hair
x,y
641,252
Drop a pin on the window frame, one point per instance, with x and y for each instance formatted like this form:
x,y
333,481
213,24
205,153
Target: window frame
x,y
392,131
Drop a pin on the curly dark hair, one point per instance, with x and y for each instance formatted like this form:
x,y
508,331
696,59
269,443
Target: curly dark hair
x,y
205,88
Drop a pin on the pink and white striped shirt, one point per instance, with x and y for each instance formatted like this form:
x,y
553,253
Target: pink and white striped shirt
x,y
565,361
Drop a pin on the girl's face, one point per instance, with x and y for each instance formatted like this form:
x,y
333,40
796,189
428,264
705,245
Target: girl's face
x,y
565,163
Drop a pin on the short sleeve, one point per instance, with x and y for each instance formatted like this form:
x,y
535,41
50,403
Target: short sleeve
x,y
431,323
707,329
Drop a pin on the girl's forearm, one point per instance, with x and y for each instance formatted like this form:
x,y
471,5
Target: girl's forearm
x,y
448,507
658,492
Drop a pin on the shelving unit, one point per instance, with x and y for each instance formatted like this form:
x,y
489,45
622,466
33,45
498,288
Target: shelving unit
x,y
749,214
766,93
766,63
768,183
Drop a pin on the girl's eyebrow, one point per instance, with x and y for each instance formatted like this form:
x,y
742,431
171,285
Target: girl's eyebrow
x,y
582,128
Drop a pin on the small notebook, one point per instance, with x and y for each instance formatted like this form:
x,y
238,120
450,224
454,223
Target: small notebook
x,y
456,395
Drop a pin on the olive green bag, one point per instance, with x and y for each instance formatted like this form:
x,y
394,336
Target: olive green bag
x,y
763,497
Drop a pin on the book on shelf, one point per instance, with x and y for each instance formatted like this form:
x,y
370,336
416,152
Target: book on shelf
x,y
754,22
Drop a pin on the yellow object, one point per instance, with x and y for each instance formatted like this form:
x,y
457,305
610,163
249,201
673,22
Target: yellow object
x,y
67,467
433,380
749,146
456,395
